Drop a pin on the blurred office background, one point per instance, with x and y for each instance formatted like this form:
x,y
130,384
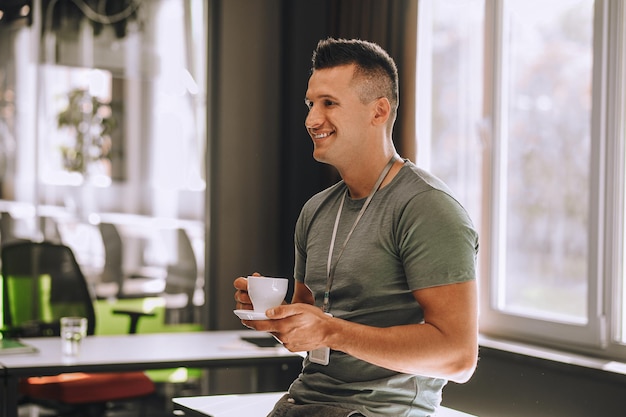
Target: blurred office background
x,y
164,139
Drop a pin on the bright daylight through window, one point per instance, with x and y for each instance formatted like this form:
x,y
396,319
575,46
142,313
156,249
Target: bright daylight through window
x,y
520,112
544,170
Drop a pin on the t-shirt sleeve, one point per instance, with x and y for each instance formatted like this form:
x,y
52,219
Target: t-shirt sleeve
x,y
438,243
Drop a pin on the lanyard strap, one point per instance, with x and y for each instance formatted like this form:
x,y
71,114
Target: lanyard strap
x,y
330,268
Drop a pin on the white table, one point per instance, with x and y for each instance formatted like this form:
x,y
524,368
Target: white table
x,y
208,349
250,405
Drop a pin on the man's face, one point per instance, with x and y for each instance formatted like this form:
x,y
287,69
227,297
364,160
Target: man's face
x,y
337,118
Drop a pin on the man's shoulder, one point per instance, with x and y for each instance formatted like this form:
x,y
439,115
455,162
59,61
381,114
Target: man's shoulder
x,y
417,187
421,179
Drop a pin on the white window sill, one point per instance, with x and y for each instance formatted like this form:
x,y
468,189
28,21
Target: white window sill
x,y
554,355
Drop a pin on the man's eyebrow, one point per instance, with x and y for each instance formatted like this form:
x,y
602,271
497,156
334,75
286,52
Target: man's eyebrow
x,y
322,97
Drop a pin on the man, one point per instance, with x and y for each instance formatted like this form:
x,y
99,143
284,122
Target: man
x,y
399,285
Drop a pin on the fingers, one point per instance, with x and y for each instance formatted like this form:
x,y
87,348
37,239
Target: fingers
x,y
288,310
242,298
298,327
241,283
281,312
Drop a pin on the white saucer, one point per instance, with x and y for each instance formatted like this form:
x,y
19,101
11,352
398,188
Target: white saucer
x,y
250,315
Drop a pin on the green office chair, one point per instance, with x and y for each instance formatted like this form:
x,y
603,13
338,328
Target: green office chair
x,y
41,283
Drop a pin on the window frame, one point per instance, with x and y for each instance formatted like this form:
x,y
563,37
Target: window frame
x,y
606,210
615,119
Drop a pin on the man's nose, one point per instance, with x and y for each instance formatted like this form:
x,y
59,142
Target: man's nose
x,y
313,119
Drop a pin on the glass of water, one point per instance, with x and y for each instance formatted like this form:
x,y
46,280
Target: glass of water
x,y
73,331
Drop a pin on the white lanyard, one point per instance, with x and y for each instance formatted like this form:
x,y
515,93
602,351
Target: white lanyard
x,y
330,268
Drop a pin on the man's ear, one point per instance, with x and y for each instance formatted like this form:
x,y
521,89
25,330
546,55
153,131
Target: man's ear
x,y
382,110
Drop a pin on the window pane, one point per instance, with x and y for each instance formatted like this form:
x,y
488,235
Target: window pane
x,y
545,171
457,65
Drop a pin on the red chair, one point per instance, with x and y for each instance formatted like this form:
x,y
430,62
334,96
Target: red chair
x,y
42,282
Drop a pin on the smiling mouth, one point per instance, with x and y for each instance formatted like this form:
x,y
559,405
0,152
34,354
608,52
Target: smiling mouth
x,y
322,135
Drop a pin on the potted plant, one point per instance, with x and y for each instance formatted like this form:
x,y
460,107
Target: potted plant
x,y
92,123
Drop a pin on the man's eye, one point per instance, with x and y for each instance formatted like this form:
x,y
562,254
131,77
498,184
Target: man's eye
x,y
326,103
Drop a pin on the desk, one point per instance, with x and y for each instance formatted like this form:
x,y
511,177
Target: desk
x,y
251,405
209,349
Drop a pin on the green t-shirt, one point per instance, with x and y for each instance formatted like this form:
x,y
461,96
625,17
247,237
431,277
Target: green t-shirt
x,y
413,235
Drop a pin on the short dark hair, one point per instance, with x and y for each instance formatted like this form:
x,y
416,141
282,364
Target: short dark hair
x,y
373,64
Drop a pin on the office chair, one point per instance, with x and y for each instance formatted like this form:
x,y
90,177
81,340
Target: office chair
x,y
7,229
50,229
181,282
115,282
41,283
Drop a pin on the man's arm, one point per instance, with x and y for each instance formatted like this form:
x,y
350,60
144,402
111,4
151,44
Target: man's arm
x,y
445,345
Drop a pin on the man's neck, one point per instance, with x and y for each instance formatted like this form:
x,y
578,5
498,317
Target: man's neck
x,y
361,179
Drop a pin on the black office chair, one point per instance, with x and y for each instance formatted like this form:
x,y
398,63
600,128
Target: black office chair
x,y
7,229
42,282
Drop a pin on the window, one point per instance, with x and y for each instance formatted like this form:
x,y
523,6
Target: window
x,y
108,100
450,142
103,119
80,126
529,131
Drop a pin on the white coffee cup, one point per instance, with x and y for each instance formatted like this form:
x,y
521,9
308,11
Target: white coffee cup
x,y
266,292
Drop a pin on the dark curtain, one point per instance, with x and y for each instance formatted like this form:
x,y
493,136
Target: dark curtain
x,y
390,23
393,25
